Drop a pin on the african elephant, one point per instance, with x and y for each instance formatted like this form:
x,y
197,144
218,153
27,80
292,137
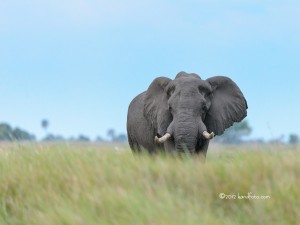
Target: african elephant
x,y
183,114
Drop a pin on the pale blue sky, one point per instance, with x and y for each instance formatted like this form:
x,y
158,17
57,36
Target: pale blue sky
x,y
79,63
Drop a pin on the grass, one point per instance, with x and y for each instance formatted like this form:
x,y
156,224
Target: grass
x,y
86,184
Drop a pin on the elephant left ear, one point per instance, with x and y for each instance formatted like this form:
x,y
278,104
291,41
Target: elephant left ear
x,y
228,105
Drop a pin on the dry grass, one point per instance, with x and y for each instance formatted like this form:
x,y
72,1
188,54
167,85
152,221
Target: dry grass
x,y
87,184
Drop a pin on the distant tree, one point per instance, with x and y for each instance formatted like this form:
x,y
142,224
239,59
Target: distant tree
x,y
120,138
7,133
52,137
22,135
111,133
72,138
83,138
277,140
45,124
236,133
99,139
293,139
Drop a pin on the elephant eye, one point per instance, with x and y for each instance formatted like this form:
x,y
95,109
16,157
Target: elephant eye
x,y
200,90
171,91
204,107
209,95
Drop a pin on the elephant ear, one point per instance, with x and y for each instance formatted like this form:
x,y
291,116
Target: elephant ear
x,y
228,105
156,105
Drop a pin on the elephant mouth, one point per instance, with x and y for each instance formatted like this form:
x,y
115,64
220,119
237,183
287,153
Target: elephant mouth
x,y
167,136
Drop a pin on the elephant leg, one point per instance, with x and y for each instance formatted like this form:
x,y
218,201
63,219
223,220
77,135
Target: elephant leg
x,y
169,146
202,148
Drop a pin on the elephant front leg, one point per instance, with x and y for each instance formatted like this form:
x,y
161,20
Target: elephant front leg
x,y
202,148
170,147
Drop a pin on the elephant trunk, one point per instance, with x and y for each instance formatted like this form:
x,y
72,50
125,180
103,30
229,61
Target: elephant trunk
x,y
186,136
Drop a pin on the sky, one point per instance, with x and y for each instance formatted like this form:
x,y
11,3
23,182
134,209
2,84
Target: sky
x,y
79,63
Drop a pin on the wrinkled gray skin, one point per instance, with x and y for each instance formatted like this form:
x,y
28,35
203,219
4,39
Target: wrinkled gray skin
x,y
183,107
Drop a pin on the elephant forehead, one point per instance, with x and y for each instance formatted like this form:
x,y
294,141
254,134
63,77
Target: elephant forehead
x,y
192,83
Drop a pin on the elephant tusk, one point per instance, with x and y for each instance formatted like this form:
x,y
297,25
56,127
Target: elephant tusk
x,y
162,139
207,135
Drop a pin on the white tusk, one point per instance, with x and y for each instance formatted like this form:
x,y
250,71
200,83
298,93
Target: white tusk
x,y
207,135
162,139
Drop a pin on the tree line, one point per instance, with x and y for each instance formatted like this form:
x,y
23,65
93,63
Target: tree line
x,y
8,133
238,133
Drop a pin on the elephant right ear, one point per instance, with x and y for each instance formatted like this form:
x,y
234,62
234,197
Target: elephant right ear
x,y
228,105
156,105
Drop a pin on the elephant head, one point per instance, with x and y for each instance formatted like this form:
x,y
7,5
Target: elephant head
x,y
188,111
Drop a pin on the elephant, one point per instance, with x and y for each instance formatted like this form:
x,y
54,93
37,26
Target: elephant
x,y
184,114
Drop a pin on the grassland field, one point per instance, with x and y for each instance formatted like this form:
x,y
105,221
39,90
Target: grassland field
x,y
78,184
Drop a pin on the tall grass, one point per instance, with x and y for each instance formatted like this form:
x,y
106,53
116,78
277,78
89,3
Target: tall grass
x,y
66,184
